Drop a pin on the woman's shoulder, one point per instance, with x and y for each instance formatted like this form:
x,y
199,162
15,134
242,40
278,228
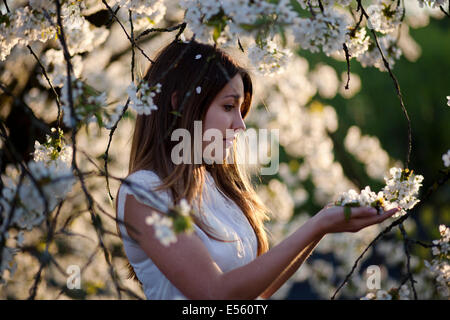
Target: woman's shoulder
x,y
141,184
143,175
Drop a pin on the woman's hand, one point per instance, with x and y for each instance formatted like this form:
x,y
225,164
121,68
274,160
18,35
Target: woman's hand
x,y
331,219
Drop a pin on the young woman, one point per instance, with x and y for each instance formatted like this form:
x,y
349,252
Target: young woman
x,y
227,257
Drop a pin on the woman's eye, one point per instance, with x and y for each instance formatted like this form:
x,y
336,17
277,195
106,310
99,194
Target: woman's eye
x,y
228,107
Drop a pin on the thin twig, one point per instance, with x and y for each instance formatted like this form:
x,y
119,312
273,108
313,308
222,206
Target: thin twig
x,y
125,31
408,259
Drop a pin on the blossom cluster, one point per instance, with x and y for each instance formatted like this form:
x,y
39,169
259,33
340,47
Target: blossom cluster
x,y
153,10
163,228
53,149
144,13
141,97
401,294
312,25
440,266
384,16
88,104
327,31
54,60
259,25
166,227
402,187
372,57
22,26
225,22
51,171
31,23
269,59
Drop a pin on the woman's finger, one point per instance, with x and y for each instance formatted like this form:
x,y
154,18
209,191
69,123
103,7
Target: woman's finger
x,y
362,212
389,213
381,217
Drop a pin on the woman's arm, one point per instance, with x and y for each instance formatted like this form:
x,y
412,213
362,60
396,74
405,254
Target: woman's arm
x,y
189,266
290,270
293,267
267,270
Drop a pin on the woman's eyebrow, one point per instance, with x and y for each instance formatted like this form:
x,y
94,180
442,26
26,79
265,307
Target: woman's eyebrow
x,y
235,96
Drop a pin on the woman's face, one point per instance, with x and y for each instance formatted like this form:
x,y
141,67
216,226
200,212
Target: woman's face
x,y
224,114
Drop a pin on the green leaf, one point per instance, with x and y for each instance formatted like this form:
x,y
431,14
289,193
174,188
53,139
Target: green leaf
x,y
182,224
296,6
217,32
4,18
260,22
347,213
353,204
176,113
99,119
283,35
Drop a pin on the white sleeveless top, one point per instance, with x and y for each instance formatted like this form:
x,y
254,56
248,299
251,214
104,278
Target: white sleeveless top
x,y
221,213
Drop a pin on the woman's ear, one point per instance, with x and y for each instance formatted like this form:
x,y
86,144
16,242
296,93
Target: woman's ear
x,y
174,101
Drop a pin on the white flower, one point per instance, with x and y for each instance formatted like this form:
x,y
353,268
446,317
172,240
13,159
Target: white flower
x,y
198,90
86,104
349,197
401,189
141,97
357,42
384,17
372,56
150,10
55,179
448,101
404,292
380,295
163,228
383,295
315,33
112,118
326,80
185,208
369,151
369,296
198,56
446,158
367,197
22,26
54,60
269,59
439,266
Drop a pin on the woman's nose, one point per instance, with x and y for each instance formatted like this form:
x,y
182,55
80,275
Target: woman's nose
x,y
238,122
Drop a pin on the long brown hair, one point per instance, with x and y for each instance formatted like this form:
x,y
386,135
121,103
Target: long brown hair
x,y
181,67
